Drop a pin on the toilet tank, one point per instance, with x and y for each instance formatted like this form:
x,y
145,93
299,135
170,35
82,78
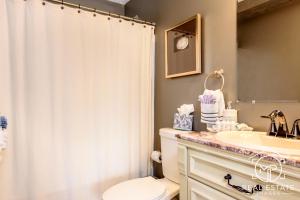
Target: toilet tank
x,y
169,153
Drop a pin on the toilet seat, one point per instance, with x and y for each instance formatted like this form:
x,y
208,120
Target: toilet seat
x,y
137,189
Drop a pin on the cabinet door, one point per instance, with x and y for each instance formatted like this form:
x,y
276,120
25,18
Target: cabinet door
x,y
183,187
182,159
199,191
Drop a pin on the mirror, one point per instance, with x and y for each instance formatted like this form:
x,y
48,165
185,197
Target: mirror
x,y
268,50
183,48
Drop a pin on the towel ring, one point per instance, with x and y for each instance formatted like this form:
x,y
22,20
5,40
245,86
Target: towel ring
x,y
218,74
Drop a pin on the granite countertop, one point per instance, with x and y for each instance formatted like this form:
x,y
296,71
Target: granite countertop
x,y
209,139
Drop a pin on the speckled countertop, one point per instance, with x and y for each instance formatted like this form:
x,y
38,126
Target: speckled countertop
x,y
209,139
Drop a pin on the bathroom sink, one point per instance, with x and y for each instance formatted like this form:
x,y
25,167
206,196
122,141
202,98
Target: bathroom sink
x,y
260,141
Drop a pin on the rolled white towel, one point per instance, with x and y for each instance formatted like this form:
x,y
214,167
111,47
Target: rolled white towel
x,y
244,127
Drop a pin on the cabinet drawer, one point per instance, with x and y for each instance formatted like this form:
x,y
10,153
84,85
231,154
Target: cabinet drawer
x,y
199,191
210,169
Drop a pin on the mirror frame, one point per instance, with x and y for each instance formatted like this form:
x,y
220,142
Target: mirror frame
x,y
198,48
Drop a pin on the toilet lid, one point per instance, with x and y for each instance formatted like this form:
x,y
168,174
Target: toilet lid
x,y
137,189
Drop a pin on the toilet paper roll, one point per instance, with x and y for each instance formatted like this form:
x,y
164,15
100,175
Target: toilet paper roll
x,y
156,156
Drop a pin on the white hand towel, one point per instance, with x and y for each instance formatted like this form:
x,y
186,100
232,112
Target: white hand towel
x,y
212,106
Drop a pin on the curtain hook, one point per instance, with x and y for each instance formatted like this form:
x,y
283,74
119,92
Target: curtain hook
x,y
152,24
62,4
95,12
132,20
79,7
44,3
120,19
108,16
145,24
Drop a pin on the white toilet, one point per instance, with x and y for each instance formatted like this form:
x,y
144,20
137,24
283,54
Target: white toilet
x,y
149,188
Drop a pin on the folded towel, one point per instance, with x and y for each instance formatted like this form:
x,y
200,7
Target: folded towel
x,y
243,127
212,106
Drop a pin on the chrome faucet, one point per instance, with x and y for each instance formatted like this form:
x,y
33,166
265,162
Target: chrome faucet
x,y
282,129
296,130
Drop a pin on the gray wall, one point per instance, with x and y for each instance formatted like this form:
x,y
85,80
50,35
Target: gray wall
x,y
218,51
273,40
101,5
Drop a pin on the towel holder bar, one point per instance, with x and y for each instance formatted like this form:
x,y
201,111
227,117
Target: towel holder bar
x,y
218,74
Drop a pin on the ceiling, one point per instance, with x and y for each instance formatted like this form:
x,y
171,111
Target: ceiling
x,y
123,2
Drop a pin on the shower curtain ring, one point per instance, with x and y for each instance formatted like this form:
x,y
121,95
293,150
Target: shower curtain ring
x,y
120,19
108,16
152,24
62,4
44,3
94,12
132,20
79,7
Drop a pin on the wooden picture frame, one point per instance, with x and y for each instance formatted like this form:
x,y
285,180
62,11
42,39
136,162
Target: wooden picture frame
x,y
183,52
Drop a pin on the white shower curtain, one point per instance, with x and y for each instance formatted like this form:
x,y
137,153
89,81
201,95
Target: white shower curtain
x,y
78,94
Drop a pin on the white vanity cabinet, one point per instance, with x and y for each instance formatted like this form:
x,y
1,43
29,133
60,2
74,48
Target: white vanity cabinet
x,y
203,168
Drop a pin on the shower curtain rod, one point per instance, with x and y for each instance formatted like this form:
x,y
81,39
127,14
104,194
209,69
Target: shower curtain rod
x,y
94,10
